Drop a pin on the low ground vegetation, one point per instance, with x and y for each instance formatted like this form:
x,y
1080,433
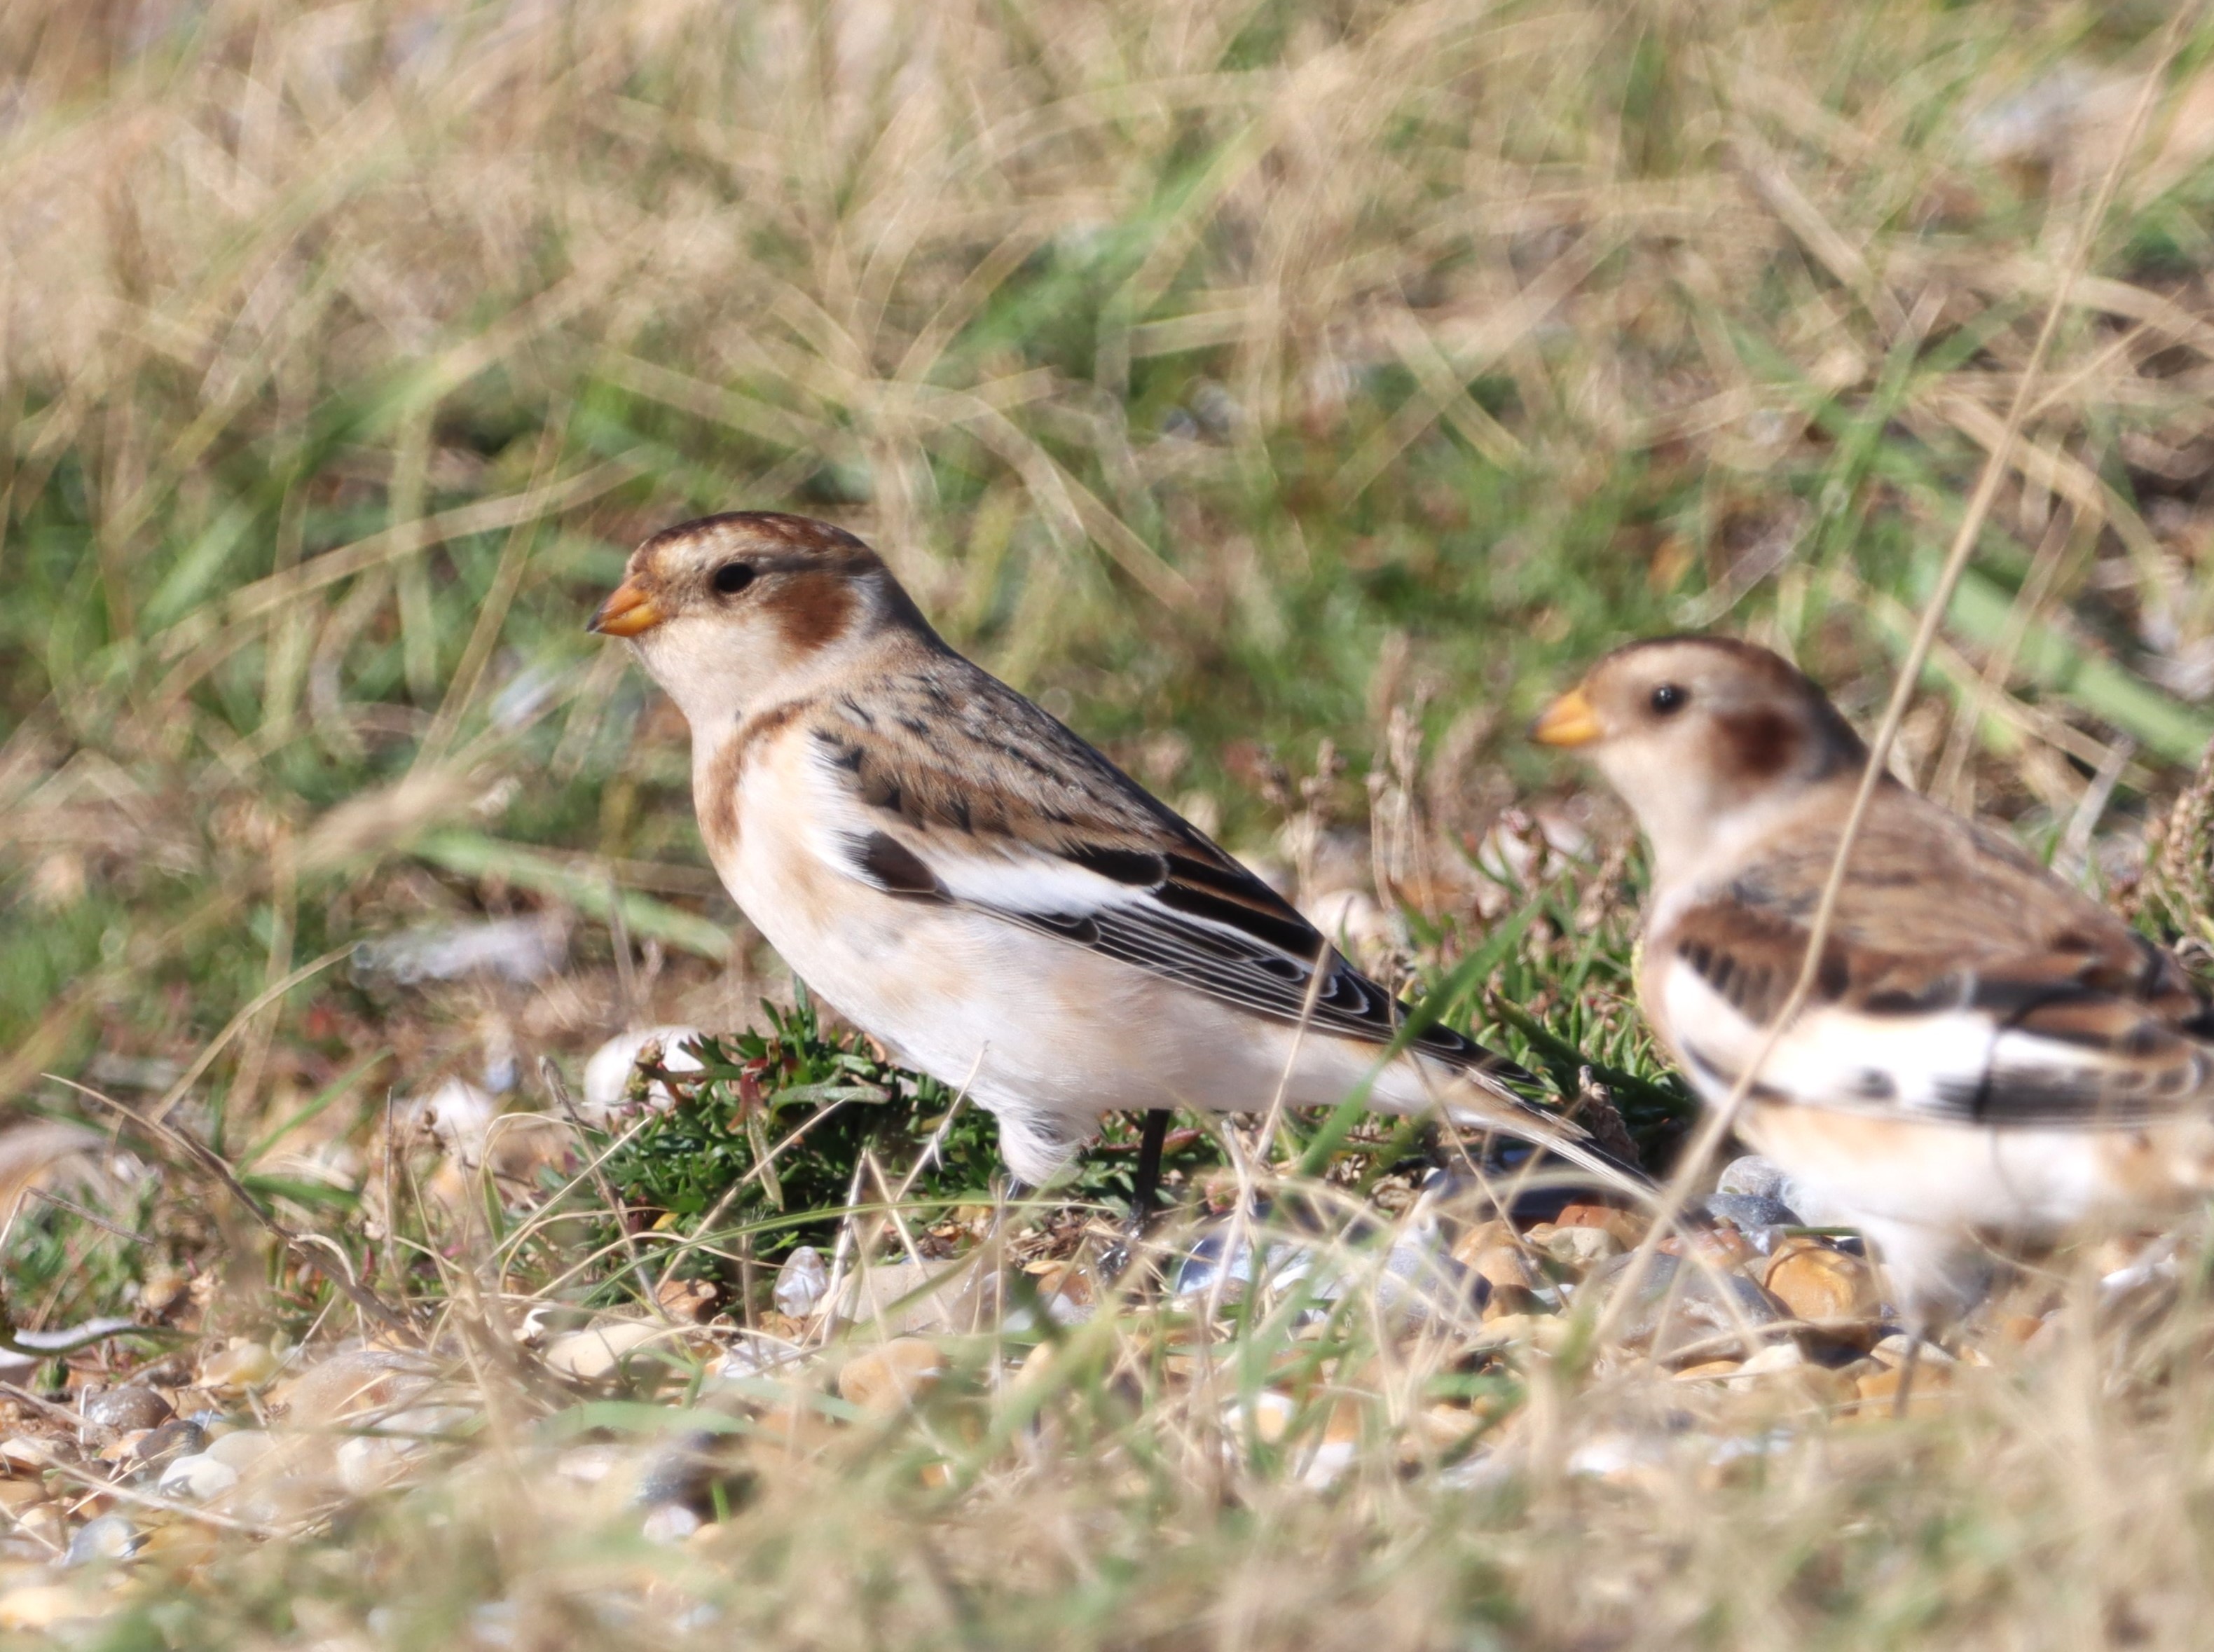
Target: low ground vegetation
x,y
1291,397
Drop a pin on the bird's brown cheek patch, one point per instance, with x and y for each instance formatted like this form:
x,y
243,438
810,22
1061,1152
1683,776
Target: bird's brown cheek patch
x,y
811,609
1761,743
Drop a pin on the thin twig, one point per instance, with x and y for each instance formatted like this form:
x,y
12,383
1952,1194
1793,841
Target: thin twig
x,y
24,1396
82,1214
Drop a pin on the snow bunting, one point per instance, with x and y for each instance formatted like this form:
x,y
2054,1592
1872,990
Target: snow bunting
x,y
1986,1053
970,882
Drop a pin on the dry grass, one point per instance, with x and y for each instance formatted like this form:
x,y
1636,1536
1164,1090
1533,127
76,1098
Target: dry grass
x,y
1253,385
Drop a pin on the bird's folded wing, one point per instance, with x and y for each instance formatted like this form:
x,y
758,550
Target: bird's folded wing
x,y
1209,925
1001,810
2096,1028
1037,829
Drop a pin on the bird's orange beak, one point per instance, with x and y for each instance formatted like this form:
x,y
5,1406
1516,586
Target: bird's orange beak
x,y
626,613
1568,721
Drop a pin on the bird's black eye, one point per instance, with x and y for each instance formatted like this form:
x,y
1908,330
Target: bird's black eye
x,y
1668,699
733,577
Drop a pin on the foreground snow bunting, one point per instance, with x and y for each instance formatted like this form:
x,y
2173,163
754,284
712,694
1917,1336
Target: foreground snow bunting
x,y
1985,1053
972,884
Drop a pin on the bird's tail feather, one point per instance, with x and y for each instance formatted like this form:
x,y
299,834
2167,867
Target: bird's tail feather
x,y
1511,1115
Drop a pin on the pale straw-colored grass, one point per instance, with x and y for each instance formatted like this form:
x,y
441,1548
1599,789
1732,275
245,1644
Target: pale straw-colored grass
x,y
1232,378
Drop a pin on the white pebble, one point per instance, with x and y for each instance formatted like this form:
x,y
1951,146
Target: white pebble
x,y
801,1282
670,1522
197,1477
369,1463
607,1075
241,1448
598,1352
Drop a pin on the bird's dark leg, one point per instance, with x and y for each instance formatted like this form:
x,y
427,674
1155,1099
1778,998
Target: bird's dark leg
x,y
1147,1185
1144,1186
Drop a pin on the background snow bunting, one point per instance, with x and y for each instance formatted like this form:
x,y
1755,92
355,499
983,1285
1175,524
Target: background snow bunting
x,y
1986,1051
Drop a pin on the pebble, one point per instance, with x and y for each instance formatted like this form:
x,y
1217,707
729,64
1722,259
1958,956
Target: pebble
x,y
1817,1282
1271,1417
1545,1333
458,1117
598,1352
1035,1367
697,1471
608,1073
109,1538
368,1464
1930,1381
1753,1175
688,1302
589,1465
34,1606
243,1364
523,949
351,1382
27,1451
1776,1357
1725,1247
1065,1291
670,1522
887,1379
903,1298
1213,1261
1754,1214
1506,1267
1622,1459
197,1477
1421,1283
801,1282
174,1438
281,1499
1694,1311
241,1448
127,1408
1624,1225
1784,1368
1579,1247
751,1354
1893,1349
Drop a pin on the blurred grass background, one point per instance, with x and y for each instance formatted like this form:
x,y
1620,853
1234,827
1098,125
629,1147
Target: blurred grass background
x,y
1229,377
1290,395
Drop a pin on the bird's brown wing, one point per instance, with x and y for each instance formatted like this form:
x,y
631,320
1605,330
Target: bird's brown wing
x,y
964,792
2028,1002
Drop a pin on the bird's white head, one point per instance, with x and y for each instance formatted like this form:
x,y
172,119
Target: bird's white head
x,y
730,613
1703,737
